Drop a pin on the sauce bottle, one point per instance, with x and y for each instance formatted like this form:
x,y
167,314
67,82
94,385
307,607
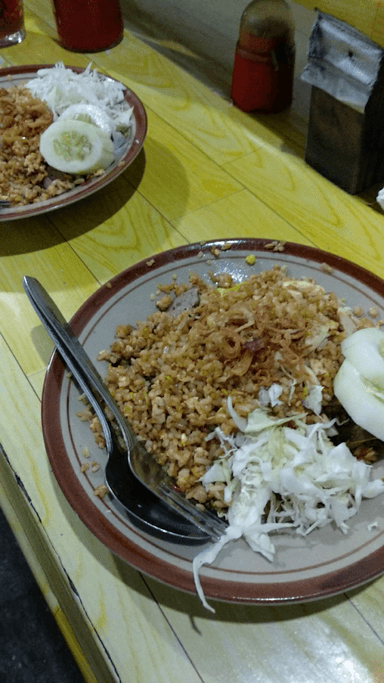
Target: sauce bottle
x,y
263,70
88,25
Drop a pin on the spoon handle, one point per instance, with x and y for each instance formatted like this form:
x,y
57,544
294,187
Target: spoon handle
x,y
75,356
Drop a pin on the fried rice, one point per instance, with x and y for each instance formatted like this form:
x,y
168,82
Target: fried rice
x,y
25,177
172,375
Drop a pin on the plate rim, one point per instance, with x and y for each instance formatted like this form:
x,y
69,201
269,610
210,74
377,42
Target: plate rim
x,y
325,585
86,190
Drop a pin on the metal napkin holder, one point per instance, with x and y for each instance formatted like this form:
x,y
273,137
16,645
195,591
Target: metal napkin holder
x,y
345,141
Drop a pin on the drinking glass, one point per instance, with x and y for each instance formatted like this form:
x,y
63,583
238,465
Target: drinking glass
x,y
11,22
88,25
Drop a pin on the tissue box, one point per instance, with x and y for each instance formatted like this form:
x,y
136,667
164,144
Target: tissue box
x,y
345,141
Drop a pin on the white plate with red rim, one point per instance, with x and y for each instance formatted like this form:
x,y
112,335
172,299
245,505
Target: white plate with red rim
x,y
125,154
324,563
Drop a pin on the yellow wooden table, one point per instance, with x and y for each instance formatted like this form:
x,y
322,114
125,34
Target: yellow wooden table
x,y
365,15
207,171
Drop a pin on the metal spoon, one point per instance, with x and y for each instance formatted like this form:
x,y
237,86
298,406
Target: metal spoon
x,y
175,516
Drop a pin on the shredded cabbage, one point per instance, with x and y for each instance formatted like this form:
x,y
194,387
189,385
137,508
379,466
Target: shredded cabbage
x,y
313,400
307,481
270,396
60,88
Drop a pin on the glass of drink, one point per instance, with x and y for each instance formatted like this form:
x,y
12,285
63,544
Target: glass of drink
x,y
88,25
11,22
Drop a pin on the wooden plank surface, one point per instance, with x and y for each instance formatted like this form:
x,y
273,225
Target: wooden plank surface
x,y
206,171
325,214
115,603
364,15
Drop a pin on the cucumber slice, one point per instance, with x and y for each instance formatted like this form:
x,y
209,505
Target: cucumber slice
x,y
90,114
363,401
76,147
365,351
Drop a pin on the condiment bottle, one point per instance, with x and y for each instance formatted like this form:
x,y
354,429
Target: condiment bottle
x,y
264,63
88,25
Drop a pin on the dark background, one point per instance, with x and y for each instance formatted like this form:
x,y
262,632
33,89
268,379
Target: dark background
x,y
32,649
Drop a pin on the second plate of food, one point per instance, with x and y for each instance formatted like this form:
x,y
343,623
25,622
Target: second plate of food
x,y
126,147
323,563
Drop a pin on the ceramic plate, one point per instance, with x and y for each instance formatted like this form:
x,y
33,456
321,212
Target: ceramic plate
x,y
124,154
326,562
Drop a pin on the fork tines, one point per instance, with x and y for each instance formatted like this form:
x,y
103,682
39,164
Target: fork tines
x,y
204,519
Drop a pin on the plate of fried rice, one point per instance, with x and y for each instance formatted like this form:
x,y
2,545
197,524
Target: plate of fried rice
x,y
27,183
190,342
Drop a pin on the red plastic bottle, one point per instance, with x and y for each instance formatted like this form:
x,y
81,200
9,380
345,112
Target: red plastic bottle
x,y
88,25
263,70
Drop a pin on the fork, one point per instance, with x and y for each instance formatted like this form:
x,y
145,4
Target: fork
x,y
144,466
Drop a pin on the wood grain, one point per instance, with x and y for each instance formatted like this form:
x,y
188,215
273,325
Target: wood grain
x,y
114,598
178,177
207,171
360,14
328,216
114,229
240,215
33,247
305,634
